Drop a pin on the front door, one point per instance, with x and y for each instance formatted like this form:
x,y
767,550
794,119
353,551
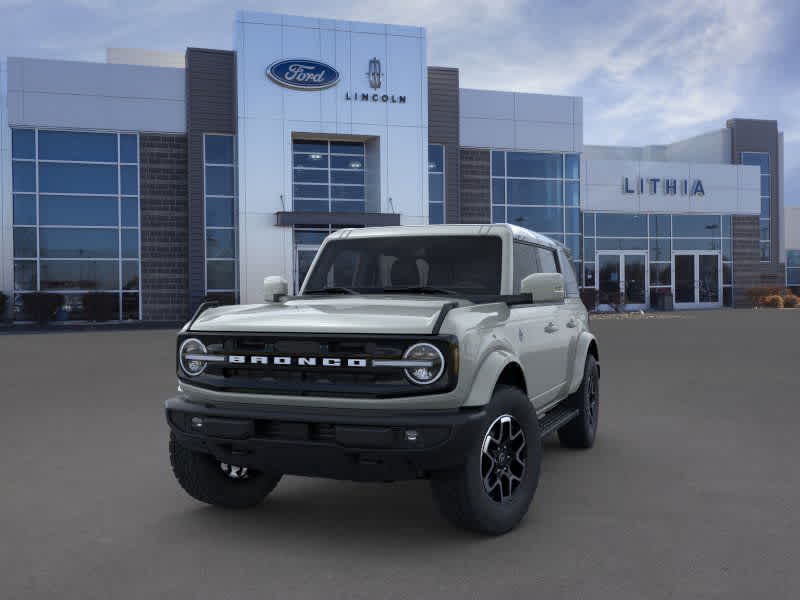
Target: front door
x,y
622,280
697,279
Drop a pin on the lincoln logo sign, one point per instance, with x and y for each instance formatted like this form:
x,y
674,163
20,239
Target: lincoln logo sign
x,y
302,74
667,186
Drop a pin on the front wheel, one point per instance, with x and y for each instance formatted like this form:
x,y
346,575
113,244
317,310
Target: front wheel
x,y
492,491
208,480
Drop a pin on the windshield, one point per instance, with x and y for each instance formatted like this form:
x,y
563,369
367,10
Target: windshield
x,y
463,265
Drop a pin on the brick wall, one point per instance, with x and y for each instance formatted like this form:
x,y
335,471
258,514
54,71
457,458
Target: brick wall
x,y
165,227
748,271
475,198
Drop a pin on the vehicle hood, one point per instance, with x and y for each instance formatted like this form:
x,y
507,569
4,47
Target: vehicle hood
x,y
339,314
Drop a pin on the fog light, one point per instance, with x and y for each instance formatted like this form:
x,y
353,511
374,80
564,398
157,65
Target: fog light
x,y
197,423
411,435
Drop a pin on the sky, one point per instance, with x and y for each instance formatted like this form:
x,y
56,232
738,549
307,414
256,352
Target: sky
x,y
649,72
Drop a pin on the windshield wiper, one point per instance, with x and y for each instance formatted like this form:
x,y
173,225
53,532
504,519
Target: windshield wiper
x,y
421,289
331,290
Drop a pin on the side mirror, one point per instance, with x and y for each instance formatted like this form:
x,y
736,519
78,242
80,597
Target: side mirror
x,y
544,287
275,286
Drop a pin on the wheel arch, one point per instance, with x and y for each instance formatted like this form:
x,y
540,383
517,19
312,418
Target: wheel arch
x,y
499,367
587,345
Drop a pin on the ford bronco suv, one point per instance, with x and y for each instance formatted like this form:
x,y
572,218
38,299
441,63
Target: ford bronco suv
x,y
440,352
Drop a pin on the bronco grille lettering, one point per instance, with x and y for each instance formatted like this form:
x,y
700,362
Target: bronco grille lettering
x,y
313,361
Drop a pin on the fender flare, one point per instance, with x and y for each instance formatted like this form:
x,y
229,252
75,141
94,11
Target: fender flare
x,y
486,378
585,340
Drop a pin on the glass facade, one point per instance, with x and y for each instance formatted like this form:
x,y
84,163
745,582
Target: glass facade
x,y
221,223
328,176
793,268
659,235
540,191
761,160
435,184
76,220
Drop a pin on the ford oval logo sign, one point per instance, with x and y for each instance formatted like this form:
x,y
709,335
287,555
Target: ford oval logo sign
x,y
303,74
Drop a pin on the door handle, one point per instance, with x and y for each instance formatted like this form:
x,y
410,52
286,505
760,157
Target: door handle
x,y
551,327
572,323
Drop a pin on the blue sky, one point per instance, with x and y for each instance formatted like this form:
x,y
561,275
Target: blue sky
x,y
649,72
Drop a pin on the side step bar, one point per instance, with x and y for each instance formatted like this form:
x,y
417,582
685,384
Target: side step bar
x,y
555,419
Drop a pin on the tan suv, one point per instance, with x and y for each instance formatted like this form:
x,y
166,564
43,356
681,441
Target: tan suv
x,y
440,352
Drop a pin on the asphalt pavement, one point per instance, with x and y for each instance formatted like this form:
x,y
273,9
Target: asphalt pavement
x,y
692,489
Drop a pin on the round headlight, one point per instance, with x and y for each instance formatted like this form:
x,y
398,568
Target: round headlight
x,y
431,363
190,357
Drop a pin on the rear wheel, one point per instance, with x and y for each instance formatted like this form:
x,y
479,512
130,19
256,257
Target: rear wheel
x,y
581,431
492,491
208,480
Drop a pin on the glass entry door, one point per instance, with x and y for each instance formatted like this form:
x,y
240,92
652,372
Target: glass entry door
x,y
622,280
697,279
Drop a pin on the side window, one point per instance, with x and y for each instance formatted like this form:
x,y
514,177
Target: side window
x,y
525,263
547,260
569,274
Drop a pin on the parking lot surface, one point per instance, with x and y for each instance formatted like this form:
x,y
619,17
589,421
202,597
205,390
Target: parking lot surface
x,y
692,490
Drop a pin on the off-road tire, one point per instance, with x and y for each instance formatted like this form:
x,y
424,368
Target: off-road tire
x,y
581,431
201,476
460,493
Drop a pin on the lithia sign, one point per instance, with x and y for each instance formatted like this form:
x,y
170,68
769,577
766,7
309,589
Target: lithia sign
x,y
306,74
667,186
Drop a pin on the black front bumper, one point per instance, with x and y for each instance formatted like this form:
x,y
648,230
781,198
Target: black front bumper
x,y
360,445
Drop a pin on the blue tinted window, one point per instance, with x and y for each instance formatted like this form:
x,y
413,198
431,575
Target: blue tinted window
x,y
77,179
527,191
498,163
347,192
128,149
541,219
80,275
130,212
24,209
313,175
435,158
660,226
220,243
24,275
498,191
696,225
81,146
573,166
357,177
23,143
573,242
727,249
310,146
765,185
348,206
313,238
621,244
660,249
498,214
220,274
25,242
793,277
320,161
338,162
219,212
726,225
695,244
311,205
766,251
765,208
436,213
23,176
347,148
572,189
436,187
219,181
530,164
130,243
625,225
573,220
588,249
588,224
311,191
759,159
129,180
764,229
77,210
793,258
78,243
130,275
130,306
219,149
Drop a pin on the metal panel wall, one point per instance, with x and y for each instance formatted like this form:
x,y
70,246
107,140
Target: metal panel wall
x,y
443,128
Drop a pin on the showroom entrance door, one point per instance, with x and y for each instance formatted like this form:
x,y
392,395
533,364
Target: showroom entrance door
x,y
697,279
622,280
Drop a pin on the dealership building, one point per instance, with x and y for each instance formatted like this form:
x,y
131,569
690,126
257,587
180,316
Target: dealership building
x,y
164,179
